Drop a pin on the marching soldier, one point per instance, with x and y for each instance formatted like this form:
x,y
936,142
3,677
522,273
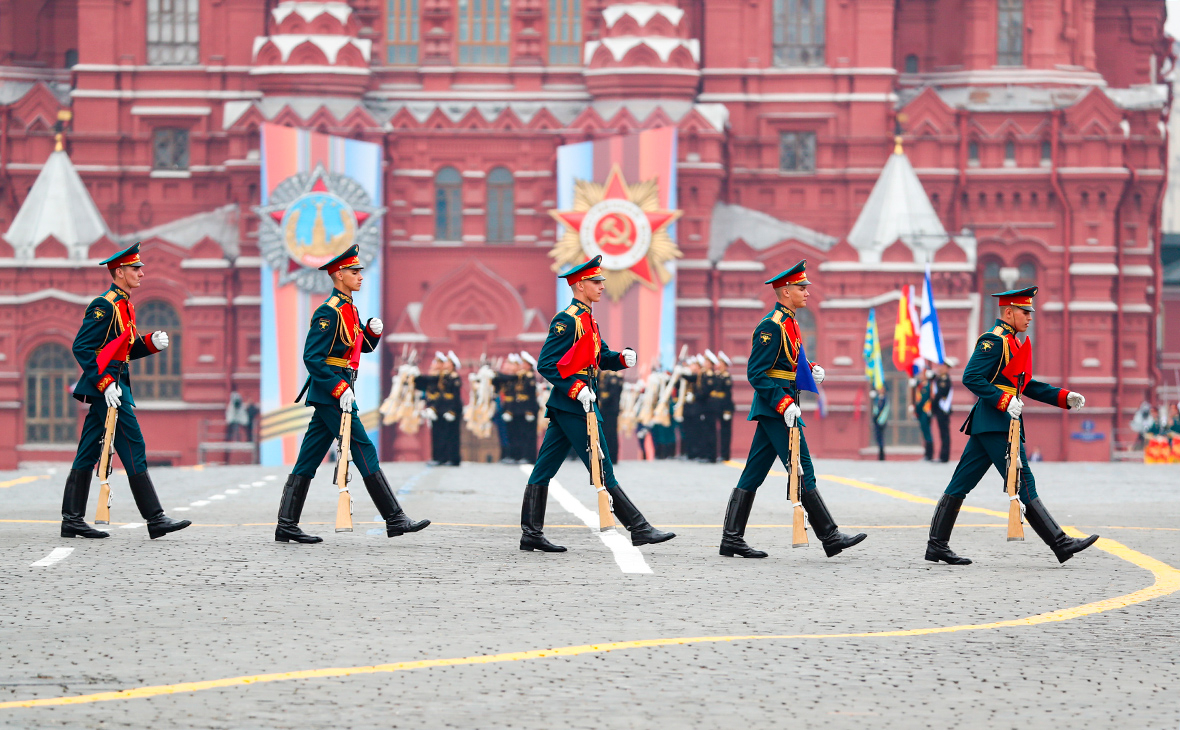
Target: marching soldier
x,y
444,403
690,426
610,392
502,382
722,396
942,411
572,398
331,355
996,366
109,318
522,429
774,351
921,392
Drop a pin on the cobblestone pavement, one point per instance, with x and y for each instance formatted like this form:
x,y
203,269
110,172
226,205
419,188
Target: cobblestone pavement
x,y
222,599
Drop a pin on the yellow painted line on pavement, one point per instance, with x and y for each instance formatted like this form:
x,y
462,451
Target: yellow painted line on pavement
x,y
1167,581
22,480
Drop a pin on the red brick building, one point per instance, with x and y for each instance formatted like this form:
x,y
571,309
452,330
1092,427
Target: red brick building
x,y
1036,130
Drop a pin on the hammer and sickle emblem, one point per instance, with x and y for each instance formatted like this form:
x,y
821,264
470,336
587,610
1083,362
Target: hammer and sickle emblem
x,y
614,235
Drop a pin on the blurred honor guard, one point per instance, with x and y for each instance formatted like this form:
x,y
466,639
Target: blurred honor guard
x,y
771,370
998,365
722,398
444,407
332,354
570,359
943,397
522,429
105,343
610,392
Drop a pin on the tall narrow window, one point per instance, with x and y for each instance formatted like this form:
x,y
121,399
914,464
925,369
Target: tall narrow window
x,y
500,209
799,32
170,149
50,415
157,377
565,32
401,42
483,32
1010,33
448,205
172,32
796,151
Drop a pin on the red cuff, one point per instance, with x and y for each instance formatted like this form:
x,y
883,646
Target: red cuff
x,y
339,389
370,332
151,346
104,383
784,404
1062,398
1004,401
575,389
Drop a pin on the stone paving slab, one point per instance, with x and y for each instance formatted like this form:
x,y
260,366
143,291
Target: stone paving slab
x,y
222,599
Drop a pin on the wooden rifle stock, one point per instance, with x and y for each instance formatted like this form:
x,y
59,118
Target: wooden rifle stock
x,y
102,513
798,528
344,502
1015,529
606,520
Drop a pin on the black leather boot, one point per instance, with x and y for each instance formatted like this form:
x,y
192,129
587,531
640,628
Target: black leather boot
x,y
1064,546
397,522
733,534
158,523
833,540
294,495
642,533
73,506
532,520
938,546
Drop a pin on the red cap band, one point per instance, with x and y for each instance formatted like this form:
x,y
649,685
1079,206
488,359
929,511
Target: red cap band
x,y
1021,301
344,264
131,258
585,274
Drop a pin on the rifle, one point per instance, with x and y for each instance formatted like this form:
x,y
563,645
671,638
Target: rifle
x,y
606,520
102,515
344,502
1015,530
798,530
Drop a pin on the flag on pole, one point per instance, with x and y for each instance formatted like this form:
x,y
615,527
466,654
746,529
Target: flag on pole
x,y
905,334
803,377
874,367
930,337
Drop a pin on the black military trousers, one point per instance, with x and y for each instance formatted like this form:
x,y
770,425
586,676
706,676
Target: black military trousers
x,y
322,431
773,439
568,430
944,436
708,446
726,437
522,439
129,443
444,441
985,450
610,426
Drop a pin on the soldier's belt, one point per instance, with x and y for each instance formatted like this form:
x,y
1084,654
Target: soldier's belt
x,y
781,374
338,362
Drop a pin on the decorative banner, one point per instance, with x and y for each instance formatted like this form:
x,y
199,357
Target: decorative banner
x,y
320,195
616,197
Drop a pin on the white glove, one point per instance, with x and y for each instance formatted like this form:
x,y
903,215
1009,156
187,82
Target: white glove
x,y
376,325
629,357
347,399
792,414
1075,401
726,416
160,340
818,373
430,414
448,416
689,397
529,417
1015,406
113,395
586,397
507,417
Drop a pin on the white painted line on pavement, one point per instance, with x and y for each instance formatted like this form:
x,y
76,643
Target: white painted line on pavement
x,y
199,503
55,556
217,496
244,486
180,509
130,525
270,477
628,557
232,491
261,484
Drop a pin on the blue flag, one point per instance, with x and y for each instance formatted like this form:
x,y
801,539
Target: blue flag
x,y
803,379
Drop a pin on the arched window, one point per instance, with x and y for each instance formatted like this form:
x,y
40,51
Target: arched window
x,y
483,32
401,42
565,32
997,278
501,212
799,32
448,205
1010,33
157,377
50,416
1010,153
172,32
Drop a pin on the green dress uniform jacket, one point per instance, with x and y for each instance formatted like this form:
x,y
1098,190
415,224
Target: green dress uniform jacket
x,y
771,367
105,319
563,332
329,343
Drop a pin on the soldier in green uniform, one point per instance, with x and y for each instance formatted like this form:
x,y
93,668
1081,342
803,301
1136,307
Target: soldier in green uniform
x,y
771,369
572,398
110,320
998,363
921,391
722,396
331,355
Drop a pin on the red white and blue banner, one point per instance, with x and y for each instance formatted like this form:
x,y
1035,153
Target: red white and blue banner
x,y
616,197
320,194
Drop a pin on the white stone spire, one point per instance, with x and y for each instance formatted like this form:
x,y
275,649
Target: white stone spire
x,y
58,205
898,209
